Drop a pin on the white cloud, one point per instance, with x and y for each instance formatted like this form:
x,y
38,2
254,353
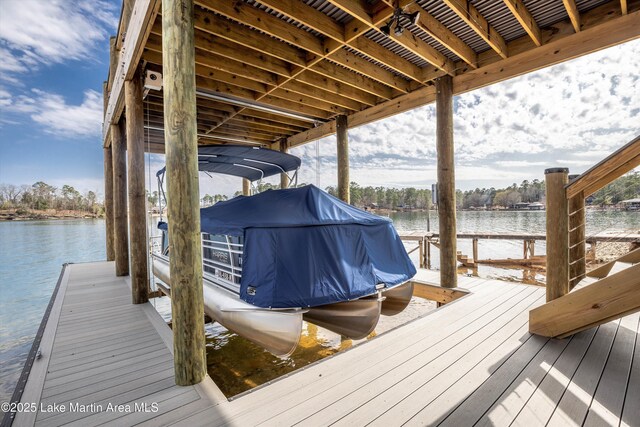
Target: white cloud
x,y
53,113
34,32
572,114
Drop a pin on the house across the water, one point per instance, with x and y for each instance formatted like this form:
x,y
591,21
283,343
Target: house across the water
x,y
631,204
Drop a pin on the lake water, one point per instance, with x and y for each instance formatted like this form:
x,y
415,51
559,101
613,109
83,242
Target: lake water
x,y
32,254
31,258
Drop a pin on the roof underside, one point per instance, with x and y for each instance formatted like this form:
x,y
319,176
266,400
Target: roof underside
x,y
271,69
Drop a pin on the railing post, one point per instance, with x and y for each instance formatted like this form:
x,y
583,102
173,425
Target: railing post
x,y
557,233
181,145
577,244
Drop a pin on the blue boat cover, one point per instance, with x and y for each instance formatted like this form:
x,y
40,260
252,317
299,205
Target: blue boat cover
x,y
304,247
252,163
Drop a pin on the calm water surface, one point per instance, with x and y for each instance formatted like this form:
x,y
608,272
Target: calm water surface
x,y
31,258
32,254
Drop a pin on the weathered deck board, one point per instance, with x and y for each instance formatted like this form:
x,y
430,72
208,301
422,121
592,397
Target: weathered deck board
x,y
470,362
106,350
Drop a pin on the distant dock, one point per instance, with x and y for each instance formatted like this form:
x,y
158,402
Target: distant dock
x,y
425,240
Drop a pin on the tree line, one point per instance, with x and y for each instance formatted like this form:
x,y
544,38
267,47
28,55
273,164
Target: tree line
x,y
625,187
42,196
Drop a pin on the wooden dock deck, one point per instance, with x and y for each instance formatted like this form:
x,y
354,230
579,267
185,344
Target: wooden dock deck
x,y
469,362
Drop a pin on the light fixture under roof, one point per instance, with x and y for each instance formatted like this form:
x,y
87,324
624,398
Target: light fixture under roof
x,y
396,24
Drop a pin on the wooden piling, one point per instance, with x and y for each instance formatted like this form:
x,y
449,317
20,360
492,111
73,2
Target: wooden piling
x,y
113,62
344,193
127,8
137,203
475,250
557,233
108,187
121,240
577,244
181,145
284,179
446,182
108,203
246,187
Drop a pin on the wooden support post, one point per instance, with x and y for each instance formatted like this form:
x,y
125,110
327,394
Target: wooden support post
x,y
108,187
137,204
113,62
446,183
108,202
127,8
284,179
427,254
557,233
246,187
421,253
577,244
343,159
121,240
181,147
475,250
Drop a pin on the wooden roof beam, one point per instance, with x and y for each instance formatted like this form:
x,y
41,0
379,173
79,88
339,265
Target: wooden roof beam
x,y
443,35
623,7
310,94
469,14
347,77
574,14
346,84
231,124
263,21
295,106
525,18
338,87
245,36
275,27
602,27
225,130
407,40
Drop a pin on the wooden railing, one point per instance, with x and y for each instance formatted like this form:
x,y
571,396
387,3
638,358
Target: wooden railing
x,y
566,258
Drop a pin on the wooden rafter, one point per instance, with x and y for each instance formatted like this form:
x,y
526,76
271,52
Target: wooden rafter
x,y
574,14
275,28
406,39
601,29
525,18
252,17
623,7
443,35
469,14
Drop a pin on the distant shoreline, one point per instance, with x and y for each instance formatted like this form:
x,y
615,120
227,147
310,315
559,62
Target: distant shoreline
x,y
33,215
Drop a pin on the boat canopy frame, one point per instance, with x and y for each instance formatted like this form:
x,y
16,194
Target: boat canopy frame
x,y
251,163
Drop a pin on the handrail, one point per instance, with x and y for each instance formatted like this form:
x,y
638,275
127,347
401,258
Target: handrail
x,y
612,167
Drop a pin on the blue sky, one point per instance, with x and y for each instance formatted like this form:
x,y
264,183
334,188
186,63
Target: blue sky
x,y
55,58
